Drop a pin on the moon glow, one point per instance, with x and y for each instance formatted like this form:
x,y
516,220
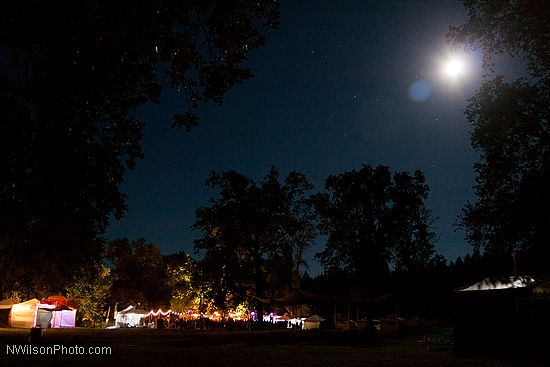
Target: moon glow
x,y
454,68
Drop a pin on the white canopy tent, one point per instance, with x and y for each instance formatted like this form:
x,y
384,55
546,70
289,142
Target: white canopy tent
x,y
500,283
130,317
63,318
312,322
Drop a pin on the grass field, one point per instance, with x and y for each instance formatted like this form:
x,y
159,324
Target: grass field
x,y
151,347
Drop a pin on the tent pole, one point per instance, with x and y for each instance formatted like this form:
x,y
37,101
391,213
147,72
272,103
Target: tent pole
x,y
396,319
35,314
335,323
108,314
349,317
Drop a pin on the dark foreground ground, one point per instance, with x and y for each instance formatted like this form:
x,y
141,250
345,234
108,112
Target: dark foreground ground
x,y
151,347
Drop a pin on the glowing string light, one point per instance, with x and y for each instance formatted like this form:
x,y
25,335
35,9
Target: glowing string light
x,y
159,312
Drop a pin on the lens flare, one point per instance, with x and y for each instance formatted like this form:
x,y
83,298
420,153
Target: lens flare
x,y
420,91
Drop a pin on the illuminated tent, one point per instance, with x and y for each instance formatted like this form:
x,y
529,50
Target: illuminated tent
x,y
312,322
44,315
5,309
24,314
63,317
495,315
130,317
500,283
32,313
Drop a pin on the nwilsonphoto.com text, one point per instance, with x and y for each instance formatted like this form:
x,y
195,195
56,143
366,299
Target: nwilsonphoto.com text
x,y
57,349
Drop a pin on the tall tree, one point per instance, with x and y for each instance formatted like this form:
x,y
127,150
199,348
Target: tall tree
x,y
190,287
374,221
92,288
410,227
139,273
255,234
511,130
72,74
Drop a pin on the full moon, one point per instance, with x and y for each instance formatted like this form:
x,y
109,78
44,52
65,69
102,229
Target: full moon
x,y
454,68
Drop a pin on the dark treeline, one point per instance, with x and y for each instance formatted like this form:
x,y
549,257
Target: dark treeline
x,y
255,235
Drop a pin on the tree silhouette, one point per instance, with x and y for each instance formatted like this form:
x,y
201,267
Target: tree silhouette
x,y
518,28
511,131
254,234
72,75
139,273
375,221
190,289
92,288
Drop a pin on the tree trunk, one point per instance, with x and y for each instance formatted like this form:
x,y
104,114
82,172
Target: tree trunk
x,y
259,294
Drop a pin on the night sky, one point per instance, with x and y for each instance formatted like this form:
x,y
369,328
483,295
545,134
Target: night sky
x,y
331,90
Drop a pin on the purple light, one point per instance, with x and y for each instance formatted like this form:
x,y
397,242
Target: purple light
x,y
252,313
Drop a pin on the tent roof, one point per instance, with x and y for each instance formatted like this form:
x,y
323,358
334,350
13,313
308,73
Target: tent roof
x,y
46,306
132,309
7,303
500,283
62,308
30,302
314,318
57,300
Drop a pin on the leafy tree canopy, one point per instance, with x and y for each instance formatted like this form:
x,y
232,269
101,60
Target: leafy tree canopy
x,y
72,74
254,234
515,27
375,221
512,133
139,273
92,289
189,287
